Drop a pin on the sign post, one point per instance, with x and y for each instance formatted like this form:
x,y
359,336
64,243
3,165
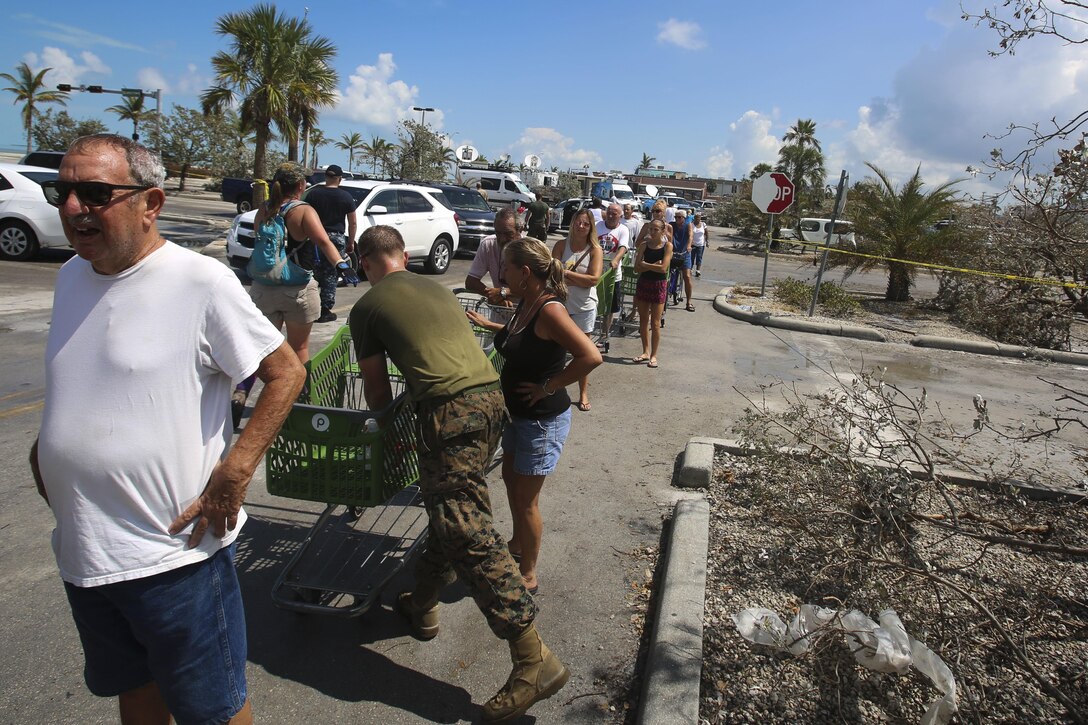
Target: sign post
x,y
772,193
840,202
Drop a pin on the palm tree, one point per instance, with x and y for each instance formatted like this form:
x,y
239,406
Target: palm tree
x,y
759,170
315,139
349,143
28,89
898,223
802,160
802,133
314,85
647,161
262,74
131,108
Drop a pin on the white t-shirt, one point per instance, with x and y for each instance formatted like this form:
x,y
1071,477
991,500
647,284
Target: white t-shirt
x,y
611,241
670,214
139,368
598,215
698,235
579,299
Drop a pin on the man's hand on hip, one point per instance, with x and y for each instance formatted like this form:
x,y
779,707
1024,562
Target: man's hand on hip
x,y
217,506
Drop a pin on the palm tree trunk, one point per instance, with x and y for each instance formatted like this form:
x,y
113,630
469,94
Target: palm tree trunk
x,y
898,283
184,173
260,151
28,137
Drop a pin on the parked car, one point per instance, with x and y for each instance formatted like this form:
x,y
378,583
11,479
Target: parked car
x,y
43,159
677,202
27,221
475,219
502,187
814,231
418,212
238,192
559,216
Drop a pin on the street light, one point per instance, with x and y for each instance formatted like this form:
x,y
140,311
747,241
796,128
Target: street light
x,y
156,94
423,123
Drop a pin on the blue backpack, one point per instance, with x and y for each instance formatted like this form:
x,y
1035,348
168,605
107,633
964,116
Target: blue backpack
x,y
269,263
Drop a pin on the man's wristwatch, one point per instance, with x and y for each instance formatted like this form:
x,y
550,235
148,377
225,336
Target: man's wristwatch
x,y
504,292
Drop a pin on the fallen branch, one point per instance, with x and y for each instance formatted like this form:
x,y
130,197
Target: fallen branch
x,y
1007,540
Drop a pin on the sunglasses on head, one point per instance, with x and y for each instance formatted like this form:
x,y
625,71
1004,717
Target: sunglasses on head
x,y
89,193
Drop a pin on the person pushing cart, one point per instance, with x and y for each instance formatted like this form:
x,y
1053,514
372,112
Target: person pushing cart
x,y
421,327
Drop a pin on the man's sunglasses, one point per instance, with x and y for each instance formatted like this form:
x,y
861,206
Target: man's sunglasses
x,y
89,193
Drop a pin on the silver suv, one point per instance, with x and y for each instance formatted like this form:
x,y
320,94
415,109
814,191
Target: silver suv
x,y
429,228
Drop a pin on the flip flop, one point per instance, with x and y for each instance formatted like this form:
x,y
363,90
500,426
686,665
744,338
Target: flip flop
x,y
641,359
652,363
584,407
690,308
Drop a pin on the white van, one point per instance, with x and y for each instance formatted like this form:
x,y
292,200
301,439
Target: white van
x,y
814,231
501,187
615,191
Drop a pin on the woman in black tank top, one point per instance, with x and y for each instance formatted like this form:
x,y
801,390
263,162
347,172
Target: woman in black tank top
x,y
535,374
652,266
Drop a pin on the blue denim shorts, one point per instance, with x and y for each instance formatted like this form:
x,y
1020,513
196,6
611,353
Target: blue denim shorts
x,y
536,444
185,629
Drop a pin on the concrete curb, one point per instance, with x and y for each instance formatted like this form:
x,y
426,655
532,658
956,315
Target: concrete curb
x,y
674,665
182,218
994,348
698,463
722,305
213,248
795,324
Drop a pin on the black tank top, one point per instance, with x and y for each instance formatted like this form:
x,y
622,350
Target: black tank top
x,y
300,251
653,256
530,359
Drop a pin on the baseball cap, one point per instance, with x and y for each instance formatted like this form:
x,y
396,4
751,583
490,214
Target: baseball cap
x,y
334,170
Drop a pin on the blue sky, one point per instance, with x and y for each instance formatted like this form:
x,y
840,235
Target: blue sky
x,y
704,86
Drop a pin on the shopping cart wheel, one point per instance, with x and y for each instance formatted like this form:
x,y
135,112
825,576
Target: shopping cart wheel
x,y
354,512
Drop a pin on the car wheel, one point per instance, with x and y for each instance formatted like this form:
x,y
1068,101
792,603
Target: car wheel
x,y
438,261
17,241
245,205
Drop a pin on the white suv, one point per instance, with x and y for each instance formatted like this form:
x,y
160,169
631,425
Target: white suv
x,y
429,228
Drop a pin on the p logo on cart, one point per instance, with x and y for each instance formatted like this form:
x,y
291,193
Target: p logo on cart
x,y
320,422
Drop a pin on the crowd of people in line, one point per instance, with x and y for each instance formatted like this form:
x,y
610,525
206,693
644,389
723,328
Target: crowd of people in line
x,y
146,523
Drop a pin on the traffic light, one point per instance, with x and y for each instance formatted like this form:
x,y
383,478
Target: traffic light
x,y
94,89
65,87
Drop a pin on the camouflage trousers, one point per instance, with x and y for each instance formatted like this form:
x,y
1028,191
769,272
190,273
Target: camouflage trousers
x,y
326,274
457,439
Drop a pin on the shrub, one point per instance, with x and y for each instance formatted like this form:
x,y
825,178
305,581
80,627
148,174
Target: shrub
x,y
1015,313
834,300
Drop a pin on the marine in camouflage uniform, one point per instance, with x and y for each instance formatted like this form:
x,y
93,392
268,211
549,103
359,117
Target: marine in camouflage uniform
x,y
457,439
421,328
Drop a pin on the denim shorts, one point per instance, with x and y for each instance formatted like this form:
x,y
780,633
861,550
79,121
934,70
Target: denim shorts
x,y
185,629
536,444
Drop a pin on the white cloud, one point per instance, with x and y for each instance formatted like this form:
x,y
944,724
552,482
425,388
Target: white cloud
x,y
374,98
73,35
555,149
681,33
65,68
719,163
191,82
751,142
149,78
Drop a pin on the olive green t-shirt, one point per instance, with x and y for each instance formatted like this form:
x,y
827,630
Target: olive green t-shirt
x,y
422,328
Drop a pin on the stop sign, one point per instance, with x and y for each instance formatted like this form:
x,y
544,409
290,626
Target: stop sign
x,y
772,193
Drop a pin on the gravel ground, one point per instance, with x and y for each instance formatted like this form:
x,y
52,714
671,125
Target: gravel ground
x,y
786,532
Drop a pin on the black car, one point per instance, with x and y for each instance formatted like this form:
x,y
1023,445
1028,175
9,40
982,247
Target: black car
x,y
475,219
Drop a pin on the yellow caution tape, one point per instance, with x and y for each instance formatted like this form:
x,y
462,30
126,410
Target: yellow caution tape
x,y
942,267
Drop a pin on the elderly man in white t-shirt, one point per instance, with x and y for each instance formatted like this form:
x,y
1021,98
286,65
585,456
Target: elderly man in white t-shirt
x,y
615,239
134,455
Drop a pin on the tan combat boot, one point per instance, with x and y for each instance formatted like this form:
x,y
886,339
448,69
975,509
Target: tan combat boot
x,y
422,619
537,675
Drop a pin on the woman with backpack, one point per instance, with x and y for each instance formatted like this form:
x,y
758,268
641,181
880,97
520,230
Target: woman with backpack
x,y
291,301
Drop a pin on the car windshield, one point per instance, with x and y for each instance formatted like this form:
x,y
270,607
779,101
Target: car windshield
x,y
522,187
622,194
467,199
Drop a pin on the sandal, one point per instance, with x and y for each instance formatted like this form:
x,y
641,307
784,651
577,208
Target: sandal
x,y
641,359
652,363
584,406
690,307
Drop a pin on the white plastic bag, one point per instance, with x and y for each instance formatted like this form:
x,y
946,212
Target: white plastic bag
x,y
884,647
